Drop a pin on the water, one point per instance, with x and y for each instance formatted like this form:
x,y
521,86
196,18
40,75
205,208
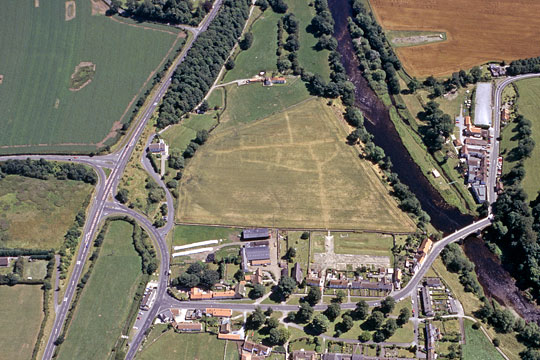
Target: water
x,y
444,217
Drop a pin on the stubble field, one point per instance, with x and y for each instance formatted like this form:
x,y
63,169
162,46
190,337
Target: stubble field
x,y
41,51
477,31
291,169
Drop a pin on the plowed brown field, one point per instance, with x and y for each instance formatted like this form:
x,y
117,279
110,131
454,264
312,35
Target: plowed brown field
x,y
477,30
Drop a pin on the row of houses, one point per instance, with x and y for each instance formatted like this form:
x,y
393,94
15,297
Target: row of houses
x,y
238,292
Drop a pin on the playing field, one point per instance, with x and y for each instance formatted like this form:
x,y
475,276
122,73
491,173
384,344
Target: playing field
x,y
20,319
477,31
189,234
104,304
363,244
529,105
477,345
291,169
37,213
42,46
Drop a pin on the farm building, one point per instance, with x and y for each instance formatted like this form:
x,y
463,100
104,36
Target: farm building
x,y
188,326
297,273
255,256
256,349
218,312
4,261
255,234
426,301
304,355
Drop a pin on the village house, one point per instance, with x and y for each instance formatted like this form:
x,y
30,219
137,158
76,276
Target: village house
x,y
159,148
430,340
218,312
4,261
304,355
188,326
423,250
425,297
297,274
338,284
256,349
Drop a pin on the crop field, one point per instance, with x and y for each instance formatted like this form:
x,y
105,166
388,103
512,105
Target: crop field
x,y
20,318
477,31
171,345
291,169
37,213
478,345
104,304
43,49
529,98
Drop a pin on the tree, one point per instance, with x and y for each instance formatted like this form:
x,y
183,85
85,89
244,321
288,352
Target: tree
x,y
320,324
204,106
390,327
176,160
364,336
387,305
239,275
262,4
290,254
332,311
375,320
202,136
362,310
269,311
413,85
496,342
314,295
122,196
286,286
209,278
347,323
255,320
304,314
115,5
188,280
257,291
278,336
305,235
229,65
379,336
272,322
59,340
246,42
340,296
196,268
404,315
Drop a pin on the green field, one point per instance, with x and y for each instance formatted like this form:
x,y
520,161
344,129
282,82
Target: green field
x,y
292,169
477,345
102,310
20,319
363,244
173,346
188,234
179,136
37,269
37,213
528,106
41,51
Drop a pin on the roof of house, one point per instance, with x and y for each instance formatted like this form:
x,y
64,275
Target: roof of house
x,y
219,312
433,281
254,347
259,233
230,336
198,294
371,285
188,326
4,261
313,281
304,355
257,253
225,328
425,246
478,142
426,301
297,273
340,283
160,146
223,294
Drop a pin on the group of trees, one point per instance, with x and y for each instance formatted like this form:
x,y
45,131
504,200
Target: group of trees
x,y
143,246
168,11
195,75
276,335
290,24
524,66
43,169
458,79
439,126
377,58
522,151
199,275
456,262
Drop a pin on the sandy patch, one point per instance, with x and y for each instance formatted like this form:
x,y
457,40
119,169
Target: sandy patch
x,y
80,67
99,7
36,3
117,125
70,10
56,103
1,78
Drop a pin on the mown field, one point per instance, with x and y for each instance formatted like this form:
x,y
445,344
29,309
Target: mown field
x,y
363,244
291,169
478,345
103,307
20,319
189,234
477,32
528,105
41,50
171,345
37,213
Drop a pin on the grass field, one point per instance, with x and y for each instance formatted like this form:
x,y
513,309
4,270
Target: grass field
x,y
188,234
483,31
292,169
20,318
528,106
179,136
37,213
41,52
104,304
413,38
36,269
477,345
171,345
363,244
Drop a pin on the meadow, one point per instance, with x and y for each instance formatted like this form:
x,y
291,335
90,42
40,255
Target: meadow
x,y
291,169
476,31
478,345
41,52
189,234
363,244
171,345
527,105
37,213
105,302
20,318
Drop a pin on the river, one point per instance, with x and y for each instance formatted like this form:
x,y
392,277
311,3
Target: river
x,y
495,280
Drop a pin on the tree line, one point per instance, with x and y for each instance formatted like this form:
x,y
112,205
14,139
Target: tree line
x,y
458,79
439,126
197,274
43,169
524,66
168,11
196,74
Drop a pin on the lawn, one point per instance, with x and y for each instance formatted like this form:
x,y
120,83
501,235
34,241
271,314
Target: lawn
x,y
20,319
292,169
37,213
37,269
189,234
477,345
41,52
103,307
527,104
171,346
302,249
363,244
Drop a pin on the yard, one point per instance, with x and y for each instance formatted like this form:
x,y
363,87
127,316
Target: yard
x,y
495,35
41,112
171,345
20,319
103,307
37,213
274,172
477,345
363,244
